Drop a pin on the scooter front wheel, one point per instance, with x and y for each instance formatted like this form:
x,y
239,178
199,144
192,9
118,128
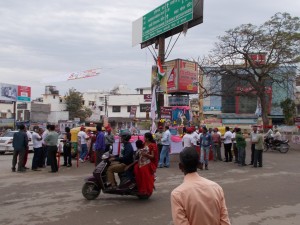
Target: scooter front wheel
x,y
90,191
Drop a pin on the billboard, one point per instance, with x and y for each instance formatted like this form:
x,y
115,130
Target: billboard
x,y
170,18
12,93
8,92
180,76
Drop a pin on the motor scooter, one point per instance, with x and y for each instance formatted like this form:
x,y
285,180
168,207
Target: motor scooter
x,y
94,184
281,146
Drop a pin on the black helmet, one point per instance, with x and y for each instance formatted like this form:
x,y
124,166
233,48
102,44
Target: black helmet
x,y
126,137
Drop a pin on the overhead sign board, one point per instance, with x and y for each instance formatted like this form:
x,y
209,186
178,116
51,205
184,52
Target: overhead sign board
x,y
167,19
12,93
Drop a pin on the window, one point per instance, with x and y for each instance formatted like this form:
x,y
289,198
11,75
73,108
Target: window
x,y
116,108
82,102
101,99
100,108
128,108
91,103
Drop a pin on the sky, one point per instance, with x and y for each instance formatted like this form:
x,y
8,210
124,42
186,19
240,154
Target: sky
x,y
42,40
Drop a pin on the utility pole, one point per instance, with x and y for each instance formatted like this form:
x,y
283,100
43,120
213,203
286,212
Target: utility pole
x,y
161,54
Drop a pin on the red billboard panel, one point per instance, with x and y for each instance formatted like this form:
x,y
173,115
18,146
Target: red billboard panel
x,y
181,75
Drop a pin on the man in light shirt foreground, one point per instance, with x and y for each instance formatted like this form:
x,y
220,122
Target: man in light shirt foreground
x,y
197,201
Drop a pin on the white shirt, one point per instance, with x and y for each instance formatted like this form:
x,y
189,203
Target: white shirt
x,y
187,140
29,136
44,135
233,137
83,136
195,137
227,137
36,143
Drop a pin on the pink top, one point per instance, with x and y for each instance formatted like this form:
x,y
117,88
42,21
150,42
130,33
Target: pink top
x,y
198,201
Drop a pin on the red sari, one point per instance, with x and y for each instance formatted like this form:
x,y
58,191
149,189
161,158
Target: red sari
x,y
144,174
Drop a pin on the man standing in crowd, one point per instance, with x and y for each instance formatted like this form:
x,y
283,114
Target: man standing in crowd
x,y
158,137
99,144
197,201
205,144
51,142
29,136
227,145
241,146
253,139
216,144
43,162
187,139
37,148
109,140
166,142
82,138
20,143
259,146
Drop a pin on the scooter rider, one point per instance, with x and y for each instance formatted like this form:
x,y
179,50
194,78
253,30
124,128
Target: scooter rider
x,y
119,163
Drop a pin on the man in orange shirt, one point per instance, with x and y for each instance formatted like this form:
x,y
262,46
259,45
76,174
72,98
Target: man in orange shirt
x,y
197,201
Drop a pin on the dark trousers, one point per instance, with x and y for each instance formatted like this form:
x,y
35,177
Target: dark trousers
x,y
107,147
159,150
257,158
99,154
252,153
52,150
37,155
228,154
67,156
25,156
21,154
235,151
42,162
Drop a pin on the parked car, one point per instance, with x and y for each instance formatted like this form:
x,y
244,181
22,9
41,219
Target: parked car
x,y
7,138
6,142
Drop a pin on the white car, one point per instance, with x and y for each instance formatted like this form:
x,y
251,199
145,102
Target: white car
x,y
6,142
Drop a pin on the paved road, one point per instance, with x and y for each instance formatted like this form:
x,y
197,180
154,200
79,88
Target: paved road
x,y
268,195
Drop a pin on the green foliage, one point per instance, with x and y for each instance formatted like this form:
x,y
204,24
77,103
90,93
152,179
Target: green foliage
x,y
289,110
75,107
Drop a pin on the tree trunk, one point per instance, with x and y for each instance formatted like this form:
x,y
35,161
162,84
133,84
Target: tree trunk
x,y
264,110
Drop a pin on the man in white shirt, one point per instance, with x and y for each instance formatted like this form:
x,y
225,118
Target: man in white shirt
x,y
44,154
187,139
37,147
227,144
82,138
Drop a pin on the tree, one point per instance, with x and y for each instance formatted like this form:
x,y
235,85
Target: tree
x,y
75,107
289,111
255,58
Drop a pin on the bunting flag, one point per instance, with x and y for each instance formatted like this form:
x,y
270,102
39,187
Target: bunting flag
x,y
153,104
160,71
83,74
72,76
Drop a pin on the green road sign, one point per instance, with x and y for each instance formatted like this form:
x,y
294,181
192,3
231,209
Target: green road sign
x,y
166,17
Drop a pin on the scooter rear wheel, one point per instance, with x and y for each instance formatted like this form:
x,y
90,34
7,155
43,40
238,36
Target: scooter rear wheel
x,y
90,191
266,147
284,148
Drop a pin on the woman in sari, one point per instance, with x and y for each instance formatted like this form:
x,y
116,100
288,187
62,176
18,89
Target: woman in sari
x,y
145,168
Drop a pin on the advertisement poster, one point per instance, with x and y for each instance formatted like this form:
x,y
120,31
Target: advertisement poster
x,y
24,94
181,76
8,92
133,109
166,112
